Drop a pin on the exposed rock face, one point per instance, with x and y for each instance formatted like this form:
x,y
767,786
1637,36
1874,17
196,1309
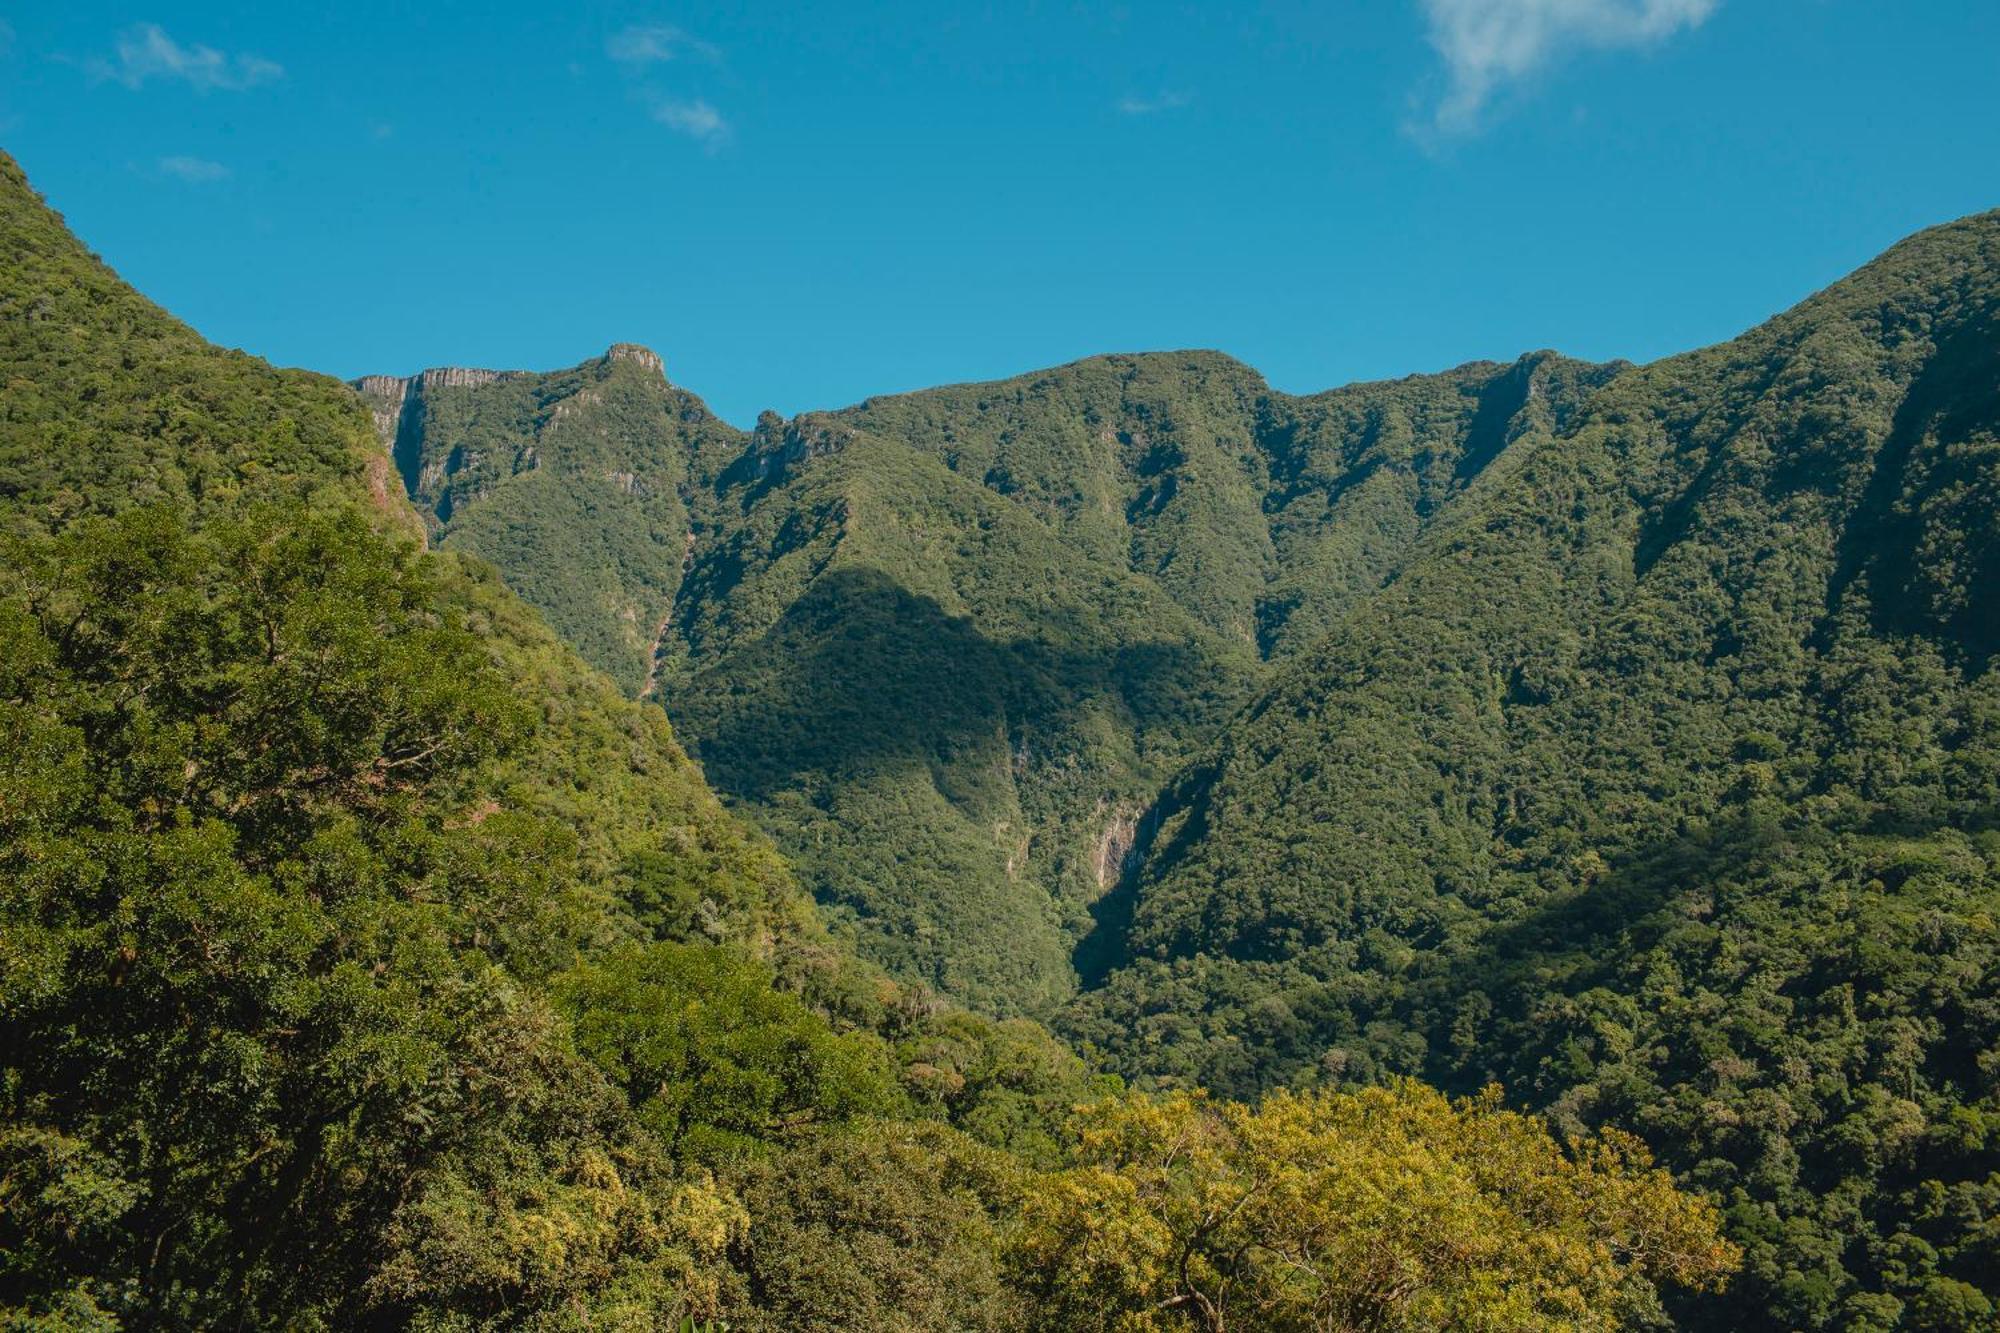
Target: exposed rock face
x,y
460,377
580,401
644,356
391,398
1114,846
385,395
778,446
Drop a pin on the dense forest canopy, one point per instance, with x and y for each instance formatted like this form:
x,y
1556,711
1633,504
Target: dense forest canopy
x,y
948,647
1622,734
369,961
1615,749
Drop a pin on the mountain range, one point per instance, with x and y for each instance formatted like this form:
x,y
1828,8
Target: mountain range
x,y
1625,736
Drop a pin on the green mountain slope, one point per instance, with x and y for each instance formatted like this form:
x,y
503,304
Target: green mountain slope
x,y
1625,734
950,722
366,960
1663,786
1719,583
571,483
946,646
113,404
1262,514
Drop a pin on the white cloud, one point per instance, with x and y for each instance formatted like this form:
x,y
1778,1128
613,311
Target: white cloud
x,y
193,170
1146,106
656,43
1488,44
641,46
146,52
696,119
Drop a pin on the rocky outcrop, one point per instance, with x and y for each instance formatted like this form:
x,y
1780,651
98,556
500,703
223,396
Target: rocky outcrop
x,y
462,377
1114,846
393,398
644,356
568,407
777,446
389,397
385,395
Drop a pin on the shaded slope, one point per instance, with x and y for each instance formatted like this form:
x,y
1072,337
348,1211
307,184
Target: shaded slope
x,y
369,960
1662,785
946,716
1115,548
571,482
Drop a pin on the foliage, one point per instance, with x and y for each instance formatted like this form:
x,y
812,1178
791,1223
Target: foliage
x,y
1805,1034
1423,728
1389,1209
1659,786
268,1046
108,402
886,1227
1625,735
309,841
715,1060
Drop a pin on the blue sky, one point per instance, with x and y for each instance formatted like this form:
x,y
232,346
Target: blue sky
x,y
803,205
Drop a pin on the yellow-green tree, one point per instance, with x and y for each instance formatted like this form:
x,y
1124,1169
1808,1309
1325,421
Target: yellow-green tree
x,y
1392,1208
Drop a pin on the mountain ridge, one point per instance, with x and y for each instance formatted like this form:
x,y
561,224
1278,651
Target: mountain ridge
x,y
1258,739
1625,736
1308,502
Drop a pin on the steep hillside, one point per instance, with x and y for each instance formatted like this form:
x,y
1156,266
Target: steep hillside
x,y
339,893
1627,735
1662,785
368,961
114,405
571,483
946,646
1262,514
1754,570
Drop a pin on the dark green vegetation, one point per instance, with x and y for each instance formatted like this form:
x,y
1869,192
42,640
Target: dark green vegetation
x,y
338,894
369,961
1662,786
573,481
1625,734
947,647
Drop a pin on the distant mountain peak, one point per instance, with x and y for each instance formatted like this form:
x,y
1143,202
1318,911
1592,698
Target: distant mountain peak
x,y
639,353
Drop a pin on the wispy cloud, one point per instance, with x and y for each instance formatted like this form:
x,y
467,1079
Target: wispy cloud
x,y
193,170
656,43
145,52
637,49
1489,44
1147,106
696,119
6,38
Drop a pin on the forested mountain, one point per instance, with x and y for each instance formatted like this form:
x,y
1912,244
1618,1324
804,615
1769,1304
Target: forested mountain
x,y
947,647
1627,735
1663,785
368,961
338,893
572,481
